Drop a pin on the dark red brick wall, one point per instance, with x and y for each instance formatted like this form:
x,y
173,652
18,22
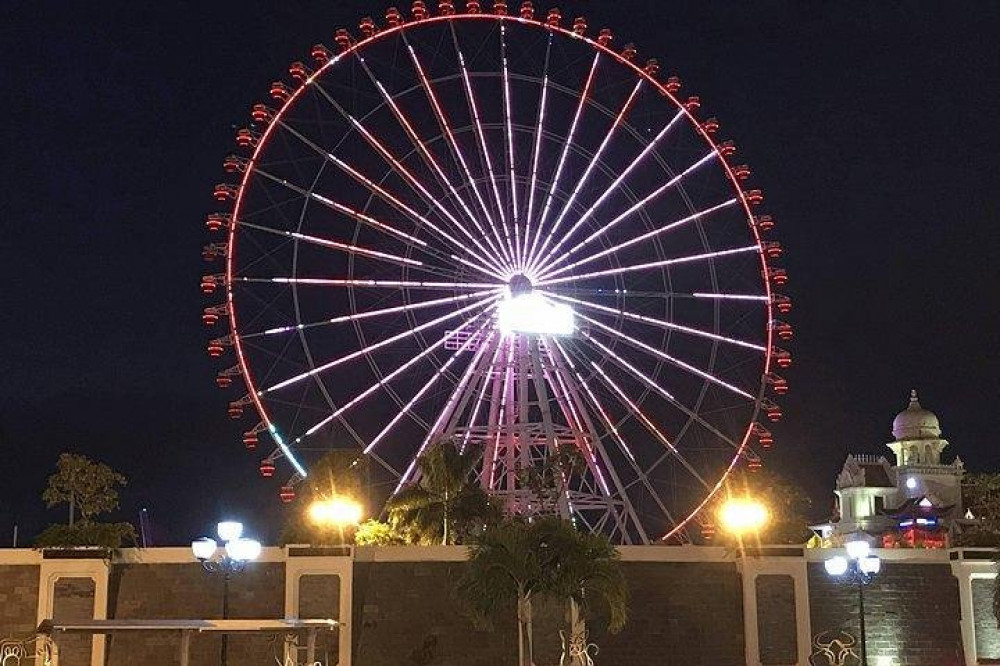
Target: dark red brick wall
x,y
18,601
187,591
682,614
776,630
912,612
73,599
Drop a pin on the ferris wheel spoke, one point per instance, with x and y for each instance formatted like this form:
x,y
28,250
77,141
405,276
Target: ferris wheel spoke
x,y
481,137
634,408
406,410
638,344
449,406
509,133
426,155
550,271
459,157
372,347
385,284
562,158
484,265
396,165
705,256
582,181
662,392
652,321
369,314
636,206
340,411
537,148
641,475
611,189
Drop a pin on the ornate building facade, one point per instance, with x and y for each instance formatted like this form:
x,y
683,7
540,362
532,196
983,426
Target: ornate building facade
x,y
916,502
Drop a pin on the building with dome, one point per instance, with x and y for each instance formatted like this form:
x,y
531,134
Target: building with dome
x,y
913,501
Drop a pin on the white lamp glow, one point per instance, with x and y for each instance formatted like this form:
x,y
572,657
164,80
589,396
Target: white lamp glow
x,y
870,565
857,549
203,548
229,530
911,483
243,550
836,566
533,313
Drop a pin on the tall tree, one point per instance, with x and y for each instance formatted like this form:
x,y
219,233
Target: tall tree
x,y
85,485
516,562
446,504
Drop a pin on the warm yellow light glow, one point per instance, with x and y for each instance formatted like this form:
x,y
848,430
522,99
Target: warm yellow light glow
x,y
336,512
740,515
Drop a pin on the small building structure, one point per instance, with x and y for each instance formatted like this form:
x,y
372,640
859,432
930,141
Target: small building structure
x,y
916,502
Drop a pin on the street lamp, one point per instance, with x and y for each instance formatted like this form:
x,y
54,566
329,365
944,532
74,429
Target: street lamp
x,y
338,511
742,515
230,560
858,568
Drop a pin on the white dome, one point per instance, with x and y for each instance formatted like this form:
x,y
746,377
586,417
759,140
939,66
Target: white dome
x,y
915,422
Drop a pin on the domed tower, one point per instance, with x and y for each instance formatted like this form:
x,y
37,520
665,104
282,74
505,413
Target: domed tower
x,y
918,447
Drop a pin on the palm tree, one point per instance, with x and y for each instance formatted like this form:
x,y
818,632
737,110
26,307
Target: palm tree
x,y
515,562
445,504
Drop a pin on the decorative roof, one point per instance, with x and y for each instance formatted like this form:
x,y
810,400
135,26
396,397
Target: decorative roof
x,y
866,471
915,422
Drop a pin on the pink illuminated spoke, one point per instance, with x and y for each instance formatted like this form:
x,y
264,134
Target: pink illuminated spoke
x,y
453,399
337,413
661,355
660,323
595,160
378,345
562,160
481,136
369,314
611,189
425,153
645,379
406,409
479,400
653,264
399,168
387,284
337,245
550,271
732,297
639,204
536,150
488,265
458,156
518,260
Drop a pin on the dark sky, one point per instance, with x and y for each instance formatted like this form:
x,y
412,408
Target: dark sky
x,y
872,127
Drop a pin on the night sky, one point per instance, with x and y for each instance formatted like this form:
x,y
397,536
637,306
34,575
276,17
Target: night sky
x,y
871,127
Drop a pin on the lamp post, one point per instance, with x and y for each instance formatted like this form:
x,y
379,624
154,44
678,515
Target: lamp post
x,y
742,516
858,568
228,561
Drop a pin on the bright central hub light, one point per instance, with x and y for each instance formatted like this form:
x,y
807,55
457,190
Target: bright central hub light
x,y
525,311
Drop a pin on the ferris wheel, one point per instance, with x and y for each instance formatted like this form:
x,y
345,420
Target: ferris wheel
x,y
506,232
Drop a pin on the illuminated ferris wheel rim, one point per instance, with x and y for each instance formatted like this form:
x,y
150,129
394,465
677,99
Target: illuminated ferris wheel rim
x,y
536,269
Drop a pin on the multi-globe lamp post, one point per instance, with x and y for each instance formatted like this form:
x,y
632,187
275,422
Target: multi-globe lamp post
x,y
858,568
227,561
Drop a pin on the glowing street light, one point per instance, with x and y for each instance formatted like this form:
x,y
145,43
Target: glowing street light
x,y
858,568
231,559
338,511
743,515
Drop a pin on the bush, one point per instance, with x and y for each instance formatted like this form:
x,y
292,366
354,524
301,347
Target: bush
x,y
110,536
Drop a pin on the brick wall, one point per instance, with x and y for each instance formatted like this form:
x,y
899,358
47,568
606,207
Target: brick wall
x,y
18,600
73,599
987,633
682,614
912,613
776,629
187,591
